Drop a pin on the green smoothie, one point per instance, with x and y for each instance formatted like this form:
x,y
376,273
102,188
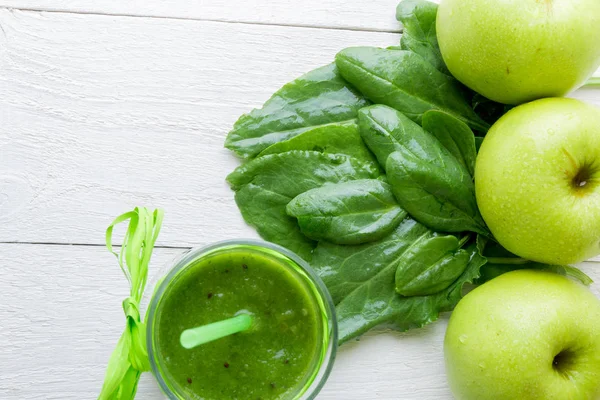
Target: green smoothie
x,y
274,359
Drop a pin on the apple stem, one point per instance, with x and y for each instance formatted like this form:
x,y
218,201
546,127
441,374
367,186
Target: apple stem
x,y
595,81
507,260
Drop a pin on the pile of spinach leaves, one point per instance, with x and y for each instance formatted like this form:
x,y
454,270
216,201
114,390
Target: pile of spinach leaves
x,y
364,168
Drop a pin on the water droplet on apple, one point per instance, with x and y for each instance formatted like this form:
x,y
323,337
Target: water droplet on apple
x,y
463,338
482,365
519,315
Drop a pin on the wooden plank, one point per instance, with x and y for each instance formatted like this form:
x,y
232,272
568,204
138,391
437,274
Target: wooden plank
x,y
375,15
60,308
61,316
100,114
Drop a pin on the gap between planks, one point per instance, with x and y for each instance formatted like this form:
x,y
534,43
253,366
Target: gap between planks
x,y
594,260
90,245
223,21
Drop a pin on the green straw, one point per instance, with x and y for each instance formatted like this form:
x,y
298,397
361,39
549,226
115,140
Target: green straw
x,y
193,337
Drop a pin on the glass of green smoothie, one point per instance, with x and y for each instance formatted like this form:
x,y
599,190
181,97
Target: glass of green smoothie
x,y
287,351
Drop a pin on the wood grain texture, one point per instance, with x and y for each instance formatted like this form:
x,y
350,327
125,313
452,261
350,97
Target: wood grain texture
x,y
339,14
60,308
61,316
103,113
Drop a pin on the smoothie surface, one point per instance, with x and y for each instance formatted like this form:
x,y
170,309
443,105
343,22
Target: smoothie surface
x,y
272,360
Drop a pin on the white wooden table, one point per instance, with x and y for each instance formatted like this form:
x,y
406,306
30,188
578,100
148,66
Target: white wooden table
x,y
109,104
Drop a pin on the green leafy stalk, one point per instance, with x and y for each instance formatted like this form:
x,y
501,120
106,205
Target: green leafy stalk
x,y
130,357
595,81
501,261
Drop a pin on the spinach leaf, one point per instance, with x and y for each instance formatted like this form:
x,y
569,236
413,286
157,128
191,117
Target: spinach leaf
x,y
317,98
337,138
352,212
384,130
451,296
418,18
435,190
501,261
264,210
347,269
361,281
427,180
405,81
264,187
430,265
454,135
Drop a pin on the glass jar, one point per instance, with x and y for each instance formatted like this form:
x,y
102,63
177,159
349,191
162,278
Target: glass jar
x,y
298,270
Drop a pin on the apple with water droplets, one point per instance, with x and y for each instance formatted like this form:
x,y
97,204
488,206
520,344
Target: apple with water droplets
x,y
537,181
526,335
514,51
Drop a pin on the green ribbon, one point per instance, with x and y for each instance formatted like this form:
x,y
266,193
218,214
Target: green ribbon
x,y
130,357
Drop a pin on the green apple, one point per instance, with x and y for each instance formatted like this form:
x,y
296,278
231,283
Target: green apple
x,y
514,51
537,181
526,335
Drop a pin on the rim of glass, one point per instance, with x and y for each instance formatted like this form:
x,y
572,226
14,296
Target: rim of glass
x,y
330,329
